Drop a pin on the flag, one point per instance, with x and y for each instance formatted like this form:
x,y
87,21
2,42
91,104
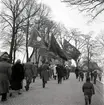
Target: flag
x,y
35,38
54,47
72,51
43,51
46,53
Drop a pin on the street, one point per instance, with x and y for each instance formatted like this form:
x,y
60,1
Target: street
x,y
67,93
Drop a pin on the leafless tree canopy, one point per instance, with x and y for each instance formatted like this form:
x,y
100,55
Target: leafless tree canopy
x,y
94,7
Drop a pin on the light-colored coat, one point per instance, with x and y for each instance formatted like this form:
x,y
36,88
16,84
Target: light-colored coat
x,y
5,75
29,70
54,70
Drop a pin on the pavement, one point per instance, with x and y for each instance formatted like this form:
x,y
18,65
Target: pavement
x,y
67,93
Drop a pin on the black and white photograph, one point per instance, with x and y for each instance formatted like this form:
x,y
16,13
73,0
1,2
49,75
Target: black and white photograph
x,y
51,52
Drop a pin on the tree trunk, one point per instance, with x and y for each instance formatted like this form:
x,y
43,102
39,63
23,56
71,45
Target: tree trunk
x,y
88,56
14,48
14,56
12,41
27,34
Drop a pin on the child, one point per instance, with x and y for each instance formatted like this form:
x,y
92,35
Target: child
x,y
88,90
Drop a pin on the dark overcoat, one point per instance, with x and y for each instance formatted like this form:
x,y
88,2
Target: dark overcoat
x,y
44,72
17,76
88,88
59,70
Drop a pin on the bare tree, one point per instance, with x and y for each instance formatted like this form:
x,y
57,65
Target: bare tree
x,y
89,53
12,18
31,11
95,7
43,25
100,39
78,39
62,33
100,48
19,44
17,18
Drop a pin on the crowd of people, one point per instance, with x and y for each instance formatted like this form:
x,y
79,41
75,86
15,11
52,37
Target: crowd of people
x,y
93,75
56,71
12,76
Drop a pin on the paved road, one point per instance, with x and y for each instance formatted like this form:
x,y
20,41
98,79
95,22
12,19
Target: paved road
x,y
67,93
100,87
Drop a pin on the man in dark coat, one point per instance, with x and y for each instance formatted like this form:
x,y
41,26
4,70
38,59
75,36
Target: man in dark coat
x,y
92,75
17,76
88,90
60,73
77,72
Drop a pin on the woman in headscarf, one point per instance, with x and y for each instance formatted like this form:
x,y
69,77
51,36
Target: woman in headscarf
x,y
17,76
5,74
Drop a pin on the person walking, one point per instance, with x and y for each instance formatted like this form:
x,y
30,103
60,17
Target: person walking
x,y
5,76
77,72
92,76
100,76
44,74
35,71
64,73
87,74
17,76
81,75
88,90
54,72
29,73
60,73
68,72
95,76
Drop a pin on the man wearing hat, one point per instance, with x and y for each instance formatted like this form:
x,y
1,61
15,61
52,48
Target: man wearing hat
x,y
5,74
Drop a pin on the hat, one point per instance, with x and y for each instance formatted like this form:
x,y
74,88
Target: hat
x,y
18,61
5,56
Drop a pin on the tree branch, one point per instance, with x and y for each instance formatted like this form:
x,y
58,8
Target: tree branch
x,y
6,20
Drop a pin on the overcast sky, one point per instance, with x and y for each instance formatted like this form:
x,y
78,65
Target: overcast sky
x,y
72,18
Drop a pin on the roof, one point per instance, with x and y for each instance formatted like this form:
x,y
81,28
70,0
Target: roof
x,y
3,53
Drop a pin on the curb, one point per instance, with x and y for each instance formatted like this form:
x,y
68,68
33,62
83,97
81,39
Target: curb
x,y
97,88
100,82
